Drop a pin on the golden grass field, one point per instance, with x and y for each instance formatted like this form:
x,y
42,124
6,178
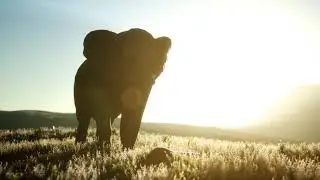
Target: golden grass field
x,y
51,154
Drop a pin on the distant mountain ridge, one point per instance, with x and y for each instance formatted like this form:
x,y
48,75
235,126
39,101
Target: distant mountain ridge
x,y
295,116
37,119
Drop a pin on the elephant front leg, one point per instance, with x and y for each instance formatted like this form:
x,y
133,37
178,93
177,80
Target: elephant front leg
x,y
129,128
131,121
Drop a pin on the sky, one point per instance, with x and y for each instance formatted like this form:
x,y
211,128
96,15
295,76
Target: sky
x,y
229,60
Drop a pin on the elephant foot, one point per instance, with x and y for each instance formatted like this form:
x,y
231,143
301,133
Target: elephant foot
x,y
127,146
82,129
80,138
104,141
103,133
129,129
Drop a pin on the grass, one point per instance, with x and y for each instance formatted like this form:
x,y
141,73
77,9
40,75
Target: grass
x,y
51,154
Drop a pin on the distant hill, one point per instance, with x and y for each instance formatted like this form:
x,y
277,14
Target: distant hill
x,y
36,119
295,116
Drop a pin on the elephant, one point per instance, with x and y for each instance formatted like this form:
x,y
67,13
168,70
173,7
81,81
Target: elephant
x,y
116,79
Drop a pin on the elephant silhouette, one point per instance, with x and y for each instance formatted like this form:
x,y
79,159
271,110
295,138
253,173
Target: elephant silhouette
x,y
116,79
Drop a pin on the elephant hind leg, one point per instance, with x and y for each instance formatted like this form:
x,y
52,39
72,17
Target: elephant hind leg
x,y
103,130
82,129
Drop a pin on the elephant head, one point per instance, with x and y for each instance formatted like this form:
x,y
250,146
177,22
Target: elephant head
x,y
145,54
144,58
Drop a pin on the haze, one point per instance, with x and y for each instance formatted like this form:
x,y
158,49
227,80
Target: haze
x,y
229,61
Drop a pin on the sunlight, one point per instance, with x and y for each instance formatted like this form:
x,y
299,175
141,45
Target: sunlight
x,y
227,65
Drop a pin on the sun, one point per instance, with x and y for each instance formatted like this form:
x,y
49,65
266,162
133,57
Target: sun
x,y
225,69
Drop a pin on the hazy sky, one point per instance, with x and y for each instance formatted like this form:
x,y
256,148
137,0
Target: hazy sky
x,y
229,59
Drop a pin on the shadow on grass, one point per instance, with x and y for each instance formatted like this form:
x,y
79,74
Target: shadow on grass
x,y
26,160
17,137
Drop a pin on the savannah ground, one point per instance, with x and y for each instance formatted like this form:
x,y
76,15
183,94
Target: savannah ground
x,y
46,153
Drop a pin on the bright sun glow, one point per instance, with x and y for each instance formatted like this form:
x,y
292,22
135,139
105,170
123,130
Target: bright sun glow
x,y
228,63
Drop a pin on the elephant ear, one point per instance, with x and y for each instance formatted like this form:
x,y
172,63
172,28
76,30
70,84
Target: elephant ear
x,y
99,42
134,41
162,45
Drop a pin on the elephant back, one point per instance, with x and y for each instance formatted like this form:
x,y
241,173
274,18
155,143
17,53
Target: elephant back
x,y
99,43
